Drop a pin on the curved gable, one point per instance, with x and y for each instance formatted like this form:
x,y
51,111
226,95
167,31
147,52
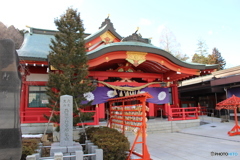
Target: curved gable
x,y
147,58
106,34
143,47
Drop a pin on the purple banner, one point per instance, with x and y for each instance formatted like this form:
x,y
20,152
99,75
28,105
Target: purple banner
x,y
160,95
102,94
99,95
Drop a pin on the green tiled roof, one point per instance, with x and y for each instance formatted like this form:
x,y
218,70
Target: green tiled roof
x,y
35,46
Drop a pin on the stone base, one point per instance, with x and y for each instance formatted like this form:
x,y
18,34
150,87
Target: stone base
x,y
36,128
66,150
151,117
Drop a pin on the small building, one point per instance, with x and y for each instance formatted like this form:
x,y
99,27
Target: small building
x,y
116,63
211,89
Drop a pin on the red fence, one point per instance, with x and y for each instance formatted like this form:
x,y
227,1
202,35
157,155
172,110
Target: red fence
x,y
38,117
202,110
176,114
34,116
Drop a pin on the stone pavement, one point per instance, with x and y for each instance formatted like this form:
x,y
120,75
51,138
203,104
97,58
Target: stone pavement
x,y
196,143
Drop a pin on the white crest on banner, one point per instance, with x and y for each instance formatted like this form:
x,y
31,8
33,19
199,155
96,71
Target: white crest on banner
x,y
89,96
110,94
162,95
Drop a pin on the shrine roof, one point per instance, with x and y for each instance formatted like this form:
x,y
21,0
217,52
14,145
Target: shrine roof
x,y
35,47
36,44
144,47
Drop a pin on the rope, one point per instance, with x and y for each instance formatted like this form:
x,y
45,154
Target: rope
x,y
127,88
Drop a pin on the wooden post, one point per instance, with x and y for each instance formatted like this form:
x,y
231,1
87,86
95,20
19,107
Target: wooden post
x,y
175,94
101,111
235,115
169,111
151,110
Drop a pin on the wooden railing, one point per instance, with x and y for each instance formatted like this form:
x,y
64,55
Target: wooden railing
x,y
38,117
34,117
202,110
176,114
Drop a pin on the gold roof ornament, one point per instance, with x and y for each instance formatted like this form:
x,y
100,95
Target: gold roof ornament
x,y
137,30
136,58
107,37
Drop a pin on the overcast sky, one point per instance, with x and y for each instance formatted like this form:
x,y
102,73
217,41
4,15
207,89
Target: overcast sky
x,y
217,22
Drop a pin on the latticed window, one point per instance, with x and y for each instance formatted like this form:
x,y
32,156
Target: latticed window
x,y
37,96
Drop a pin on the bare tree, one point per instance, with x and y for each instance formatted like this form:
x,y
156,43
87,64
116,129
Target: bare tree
x,y
169,43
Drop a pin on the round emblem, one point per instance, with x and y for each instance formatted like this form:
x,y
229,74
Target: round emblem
x,y
162,95
110,94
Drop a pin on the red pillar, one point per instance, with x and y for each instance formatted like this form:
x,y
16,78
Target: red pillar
x,y
96,118
151,110
101,111
169,112
175,95
23,95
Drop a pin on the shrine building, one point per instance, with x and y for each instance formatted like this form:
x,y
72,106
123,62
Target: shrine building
x,y
121,66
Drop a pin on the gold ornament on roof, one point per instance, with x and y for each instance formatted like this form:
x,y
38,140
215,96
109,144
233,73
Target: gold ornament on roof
x,y
107,59
107,37
136,58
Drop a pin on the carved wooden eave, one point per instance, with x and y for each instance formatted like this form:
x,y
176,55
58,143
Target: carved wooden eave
x,y
148,59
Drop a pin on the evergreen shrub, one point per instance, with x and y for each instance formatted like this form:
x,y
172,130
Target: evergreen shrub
x,y
28,147
114,144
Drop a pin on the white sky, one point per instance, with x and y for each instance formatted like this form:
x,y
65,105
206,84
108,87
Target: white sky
x,y
215,21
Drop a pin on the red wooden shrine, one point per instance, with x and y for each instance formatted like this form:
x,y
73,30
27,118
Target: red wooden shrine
x,y
231,103
130,61
129,114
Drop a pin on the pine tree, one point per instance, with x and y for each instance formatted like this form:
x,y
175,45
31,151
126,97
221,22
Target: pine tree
x,y
216,58
68,57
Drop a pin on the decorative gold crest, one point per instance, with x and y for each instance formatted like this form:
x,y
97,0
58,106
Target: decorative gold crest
x,y
107,59
107,37
136,58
